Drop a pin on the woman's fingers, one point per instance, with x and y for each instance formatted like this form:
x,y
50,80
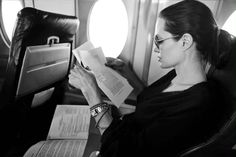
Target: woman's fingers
x,y
75,73
79,71
109,60
115,64
114,61
75,81
86,77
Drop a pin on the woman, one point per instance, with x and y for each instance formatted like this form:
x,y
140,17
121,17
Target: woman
x,y
179,110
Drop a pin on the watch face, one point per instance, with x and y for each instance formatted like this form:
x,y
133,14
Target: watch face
x,y
99,109
96,111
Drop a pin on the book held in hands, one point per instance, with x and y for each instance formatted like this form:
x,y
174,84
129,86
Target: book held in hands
x,y
115,86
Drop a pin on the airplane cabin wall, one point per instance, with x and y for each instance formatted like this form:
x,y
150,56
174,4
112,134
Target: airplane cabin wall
x,y
226,9
144,39
4,53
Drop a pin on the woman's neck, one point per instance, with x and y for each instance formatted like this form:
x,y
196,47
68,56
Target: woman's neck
x,y
190,72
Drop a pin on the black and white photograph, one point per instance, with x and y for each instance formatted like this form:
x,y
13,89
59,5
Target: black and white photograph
x,y
118,78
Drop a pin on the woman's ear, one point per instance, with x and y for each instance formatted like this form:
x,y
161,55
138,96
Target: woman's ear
x,y
187,41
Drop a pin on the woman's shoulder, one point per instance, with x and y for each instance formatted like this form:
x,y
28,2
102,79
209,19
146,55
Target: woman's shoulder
x,y
203,93
166,78
158,85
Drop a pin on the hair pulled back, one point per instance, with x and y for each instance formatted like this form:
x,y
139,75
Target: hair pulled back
x,y
195,18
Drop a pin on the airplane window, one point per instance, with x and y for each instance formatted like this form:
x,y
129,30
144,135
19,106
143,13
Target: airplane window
x,y
230,24
108,26
9,14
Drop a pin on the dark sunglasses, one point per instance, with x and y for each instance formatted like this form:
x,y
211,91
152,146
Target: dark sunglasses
x,y
158,41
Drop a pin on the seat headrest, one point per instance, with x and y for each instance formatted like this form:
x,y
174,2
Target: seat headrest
x,y
226,74
34,26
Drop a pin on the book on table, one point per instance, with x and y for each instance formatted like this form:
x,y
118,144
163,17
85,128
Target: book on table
x,y
68,133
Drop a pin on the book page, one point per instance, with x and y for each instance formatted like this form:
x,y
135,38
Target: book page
x,y
57,148
93,58
86,46
115,86
70,122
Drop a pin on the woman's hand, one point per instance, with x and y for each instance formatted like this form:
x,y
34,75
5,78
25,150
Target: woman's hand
x,y
85,81
118,65
124,69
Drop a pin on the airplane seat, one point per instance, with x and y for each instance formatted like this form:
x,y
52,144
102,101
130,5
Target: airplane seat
x,y
223,143
38,65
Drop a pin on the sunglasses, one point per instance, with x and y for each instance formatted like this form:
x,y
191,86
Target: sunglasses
x,y
158,41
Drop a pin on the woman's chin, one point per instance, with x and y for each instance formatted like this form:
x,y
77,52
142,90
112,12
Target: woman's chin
x,y
163,66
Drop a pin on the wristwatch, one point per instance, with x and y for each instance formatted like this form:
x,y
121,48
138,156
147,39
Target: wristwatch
x,y
98,108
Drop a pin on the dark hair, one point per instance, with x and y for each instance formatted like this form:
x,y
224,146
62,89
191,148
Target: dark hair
x,y
195,18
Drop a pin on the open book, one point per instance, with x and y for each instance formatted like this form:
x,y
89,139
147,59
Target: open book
x,y
68,133
115,86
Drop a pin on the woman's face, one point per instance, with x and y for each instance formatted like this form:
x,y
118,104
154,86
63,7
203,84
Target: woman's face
x,y
168,49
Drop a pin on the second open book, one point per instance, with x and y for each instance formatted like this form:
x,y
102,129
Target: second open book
x,y
68,133
115,86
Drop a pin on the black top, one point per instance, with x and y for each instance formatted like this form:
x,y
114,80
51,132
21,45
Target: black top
x,y
164,124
